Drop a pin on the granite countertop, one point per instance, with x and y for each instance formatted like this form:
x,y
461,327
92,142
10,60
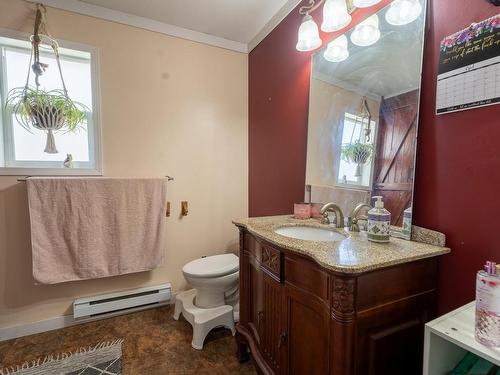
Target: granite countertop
x,y
355,254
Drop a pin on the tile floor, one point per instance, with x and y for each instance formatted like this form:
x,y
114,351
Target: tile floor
x,y
154,344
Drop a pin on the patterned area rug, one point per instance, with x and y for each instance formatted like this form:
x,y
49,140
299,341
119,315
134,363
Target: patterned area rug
x,y
102,359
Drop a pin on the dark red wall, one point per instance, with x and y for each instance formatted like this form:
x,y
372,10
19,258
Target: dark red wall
x,y
458,165
458,158
278,77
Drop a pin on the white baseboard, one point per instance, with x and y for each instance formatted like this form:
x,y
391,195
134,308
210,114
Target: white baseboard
x,y
58,322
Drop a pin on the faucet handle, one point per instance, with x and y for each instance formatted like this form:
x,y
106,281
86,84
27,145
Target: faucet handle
x,y
326,219
354,226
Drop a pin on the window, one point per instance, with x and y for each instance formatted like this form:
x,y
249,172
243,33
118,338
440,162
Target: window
x,y
350,173
21,151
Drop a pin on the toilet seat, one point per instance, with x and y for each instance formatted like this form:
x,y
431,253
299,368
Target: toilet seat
x,y
212,266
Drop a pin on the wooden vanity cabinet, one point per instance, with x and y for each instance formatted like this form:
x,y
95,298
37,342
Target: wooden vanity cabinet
x,y
300,318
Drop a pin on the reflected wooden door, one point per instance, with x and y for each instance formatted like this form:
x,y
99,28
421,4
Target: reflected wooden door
x,y
395,155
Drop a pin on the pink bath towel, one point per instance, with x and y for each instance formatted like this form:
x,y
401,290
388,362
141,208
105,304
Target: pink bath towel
x,y
86,228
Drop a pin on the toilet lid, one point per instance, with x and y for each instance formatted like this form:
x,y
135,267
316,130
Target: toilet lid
x,y
212,266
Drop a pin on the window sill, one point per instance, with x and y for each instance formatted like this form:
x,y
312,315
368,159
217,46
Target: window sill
x,y
4,171
353,187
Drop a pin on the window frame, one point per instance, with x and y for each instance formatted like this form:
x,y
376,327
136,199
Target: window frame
x,y
372,162
11,167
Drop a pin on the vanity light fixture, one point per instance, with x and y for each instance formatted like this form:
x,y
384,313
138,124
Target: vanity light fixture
x,y
337,51
367,32
403,12
365,3
335,15
308,38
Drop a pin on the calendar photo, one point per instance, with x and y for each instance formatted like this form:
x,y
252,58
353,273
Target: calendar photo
x,y
469,68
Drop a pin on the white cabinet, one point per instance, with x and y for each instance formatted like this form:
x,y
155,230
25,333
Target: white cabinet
x,y
449,337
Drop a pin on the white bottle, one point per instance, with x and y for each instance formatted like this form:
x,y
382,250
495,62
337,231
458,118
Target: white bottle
x,y
487,330
379,222
406,231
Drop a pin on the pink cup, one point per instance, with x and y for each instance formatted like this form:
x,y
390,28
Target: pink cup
x,y
302,210
315,210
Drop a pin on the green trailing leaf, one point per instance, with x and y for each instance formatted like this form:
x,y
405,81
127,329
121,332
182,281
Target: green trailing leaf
x,y
44,110
357,152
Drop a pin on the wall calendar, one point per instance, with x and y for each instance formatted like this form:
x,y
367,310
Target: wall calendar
x,y
469,68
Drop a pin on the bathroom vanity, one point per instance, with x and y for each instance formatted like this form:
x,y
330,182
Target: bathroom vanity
x,y
319,300
345,306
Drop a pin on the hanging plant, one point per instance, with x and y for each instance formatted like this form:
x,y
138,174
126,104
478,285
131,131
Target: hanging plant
x,y
49,111
358,153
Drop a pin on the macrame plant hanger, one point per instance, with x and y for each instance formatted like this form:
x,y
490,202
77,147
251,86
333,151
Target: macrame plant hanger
x,y
44,117
361,156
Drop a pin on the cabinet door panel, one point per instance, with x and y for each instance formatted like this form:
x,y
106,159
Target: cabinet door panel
x,y
308,333
273,334
390,338
256,299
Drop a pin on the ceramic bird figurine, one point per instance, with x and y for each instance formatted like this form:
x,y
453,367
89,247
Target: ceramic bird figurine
x,y
68,162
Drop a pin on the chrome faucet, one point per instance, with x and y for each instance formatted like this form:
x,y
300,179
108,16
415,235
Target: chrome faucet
x,y
339,216
353,226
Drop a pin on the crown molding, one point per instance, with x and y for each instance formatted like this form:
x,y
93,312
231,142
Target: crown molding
x,y
96,11
272,23
320,76
80,7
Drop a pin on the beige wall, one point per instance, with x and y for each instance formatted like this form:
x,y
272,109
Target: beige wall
x,y
327,105
169,106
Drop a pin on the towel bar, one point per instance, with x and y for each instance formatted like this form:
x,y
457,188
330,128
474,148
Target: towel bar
x,y
23,179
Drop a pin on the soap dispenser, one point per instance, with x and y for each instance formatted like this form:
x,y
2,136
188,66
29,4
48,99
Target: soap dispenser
x,y
379,222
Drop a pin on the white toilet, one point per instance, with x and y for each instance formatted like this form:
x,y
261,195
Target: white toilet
x,y
214,301
212,277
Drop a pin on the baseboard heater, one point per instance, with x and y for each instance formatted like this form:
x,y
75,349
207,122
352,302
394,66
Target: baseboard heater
x,y
122,302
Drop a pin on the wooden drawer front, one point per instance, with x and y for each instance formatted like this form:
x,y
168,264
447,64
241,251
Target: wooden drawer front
x,y
271,261
306,275
394,283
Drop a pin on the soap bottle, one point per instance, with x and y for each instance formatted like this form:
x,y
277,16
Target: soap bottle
x,y
487,328
379,222
406,231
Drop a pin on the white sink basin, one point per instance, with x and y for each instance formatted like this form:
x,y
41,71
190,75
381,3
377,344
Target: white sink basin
x,y
311,233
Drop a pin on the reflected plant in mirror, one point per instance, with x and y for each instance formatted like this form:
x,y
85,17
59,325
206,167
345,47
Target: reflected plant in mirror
x,y
363,113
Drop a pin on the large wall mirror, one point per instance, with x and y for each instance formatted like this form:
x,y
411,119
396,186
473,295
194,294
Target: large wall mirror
x,y
363,115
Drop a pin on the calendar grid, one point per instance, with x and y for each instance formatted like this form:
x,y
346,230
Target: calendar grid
x,y
471,86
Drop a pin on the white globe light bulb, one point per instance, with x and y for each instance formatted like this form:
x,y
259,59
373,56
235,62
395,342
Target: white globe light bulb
x,y
308,38
335,15
337,51
367,32
403,12
365,3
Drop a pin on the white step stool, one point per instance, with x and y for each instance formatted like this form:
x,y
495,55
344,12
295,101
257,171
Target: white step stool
x,y
202,320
